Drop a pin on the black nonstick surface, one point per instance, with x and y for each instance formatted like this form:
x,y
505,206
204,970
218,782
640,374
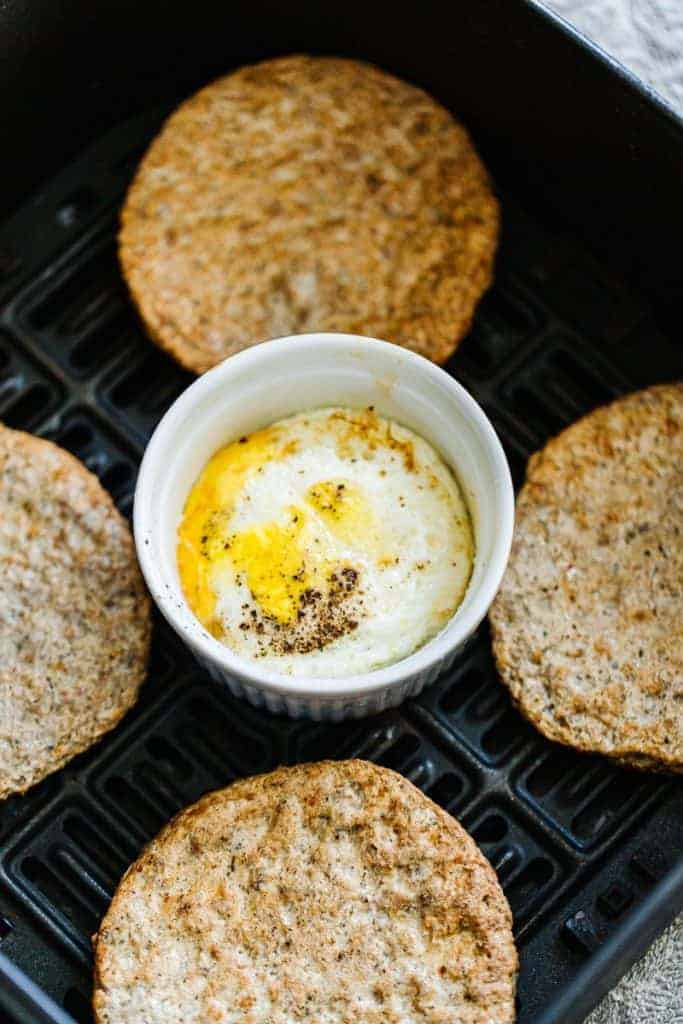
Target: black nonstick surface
x,y
590,855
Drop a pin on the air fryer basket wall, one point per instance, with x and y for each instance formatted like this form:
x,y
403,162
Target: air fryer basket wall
x,y
589,169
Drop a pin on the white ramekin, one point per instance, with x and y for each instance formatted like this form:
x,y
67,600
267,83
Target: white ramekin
x,y
273,380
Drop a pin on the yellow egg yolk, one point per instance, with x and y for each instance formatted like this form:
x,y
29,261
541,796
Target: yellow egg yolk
x,y
269,556
343,509
202,541
271,559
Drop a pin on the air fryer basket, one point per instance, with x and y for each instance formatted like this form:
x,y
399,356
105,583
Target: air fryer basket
x,y
590,855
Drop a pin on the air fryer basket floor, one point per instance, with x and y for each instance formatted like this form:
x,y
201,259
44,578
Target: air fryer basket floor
x,y
578,844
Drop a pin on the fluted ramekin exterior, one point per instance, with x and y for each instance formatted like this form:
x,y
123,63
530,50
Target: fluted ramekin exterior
x,y
322,708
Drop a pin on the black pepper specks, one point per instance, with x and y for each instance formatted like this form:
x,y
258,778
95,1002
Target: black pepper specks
x,y
322,617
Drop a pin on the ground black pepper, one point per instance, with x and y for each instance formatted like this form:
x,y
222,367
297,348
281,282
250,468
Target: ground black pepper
x,y
321,618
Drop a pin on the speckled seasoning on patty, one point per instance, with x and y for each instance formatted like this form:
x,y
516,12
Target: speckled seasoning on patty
x,y
74,612
331,892
587,623
308,194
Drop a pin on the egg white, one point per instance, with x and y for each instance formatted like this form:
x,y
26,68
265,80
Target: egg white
x,y
405,530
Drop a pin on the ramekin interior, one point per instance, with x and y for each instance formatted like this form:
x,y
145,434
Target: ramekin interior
x,y
276,379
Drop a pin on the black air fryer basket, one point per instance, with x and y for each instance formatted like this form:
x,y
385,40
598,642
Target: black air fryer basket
x,y
586,306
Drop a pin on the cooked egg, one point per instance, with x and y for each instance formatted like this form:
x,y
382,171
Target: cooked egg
x,y
331,543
